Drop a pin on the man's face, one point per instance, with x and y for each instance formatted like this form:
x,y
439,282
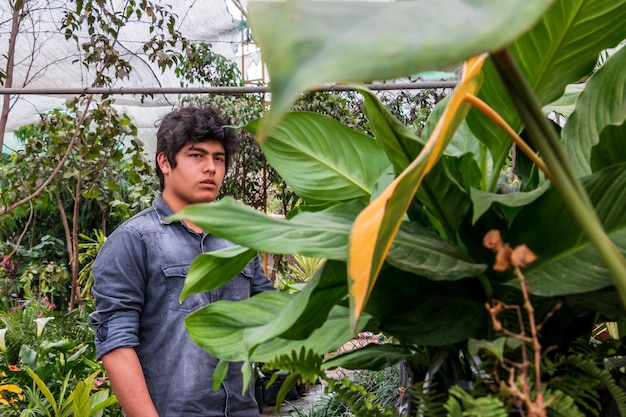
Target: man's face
x,y
197,177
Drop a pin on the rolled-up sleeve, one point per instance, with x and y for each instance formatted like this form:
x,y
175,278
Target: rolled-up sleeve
x,y
119,290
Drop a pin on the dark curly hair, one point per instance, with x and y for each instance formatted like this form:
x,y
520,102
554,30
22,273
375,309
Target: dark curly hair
x,y
193,125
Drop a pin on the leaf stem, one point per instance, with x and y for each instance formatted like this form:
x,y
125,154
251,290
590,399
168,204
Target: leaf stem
x,y
502,124
563,177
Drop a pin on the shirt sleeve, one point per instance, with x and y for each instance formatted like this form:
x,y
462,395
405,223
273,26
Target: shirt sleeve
x,y
119,289
260,281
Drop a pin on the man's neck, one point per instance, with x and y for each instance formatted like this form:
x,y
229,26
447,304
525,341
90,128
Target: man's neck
x,y
193,226
176,206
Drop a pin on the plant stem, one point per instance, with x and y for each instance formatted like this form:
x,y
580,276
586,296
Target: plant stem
x,y
563,177
535,341
502,124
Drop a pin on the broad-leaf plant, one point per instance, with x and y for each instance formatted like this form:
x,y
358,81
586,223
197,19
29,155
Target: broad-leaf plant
x,y
400,218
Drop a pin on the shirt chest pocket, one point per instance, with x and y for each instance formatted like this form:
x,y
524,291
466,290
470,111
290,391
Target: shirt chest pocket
x,y
239,288
174,282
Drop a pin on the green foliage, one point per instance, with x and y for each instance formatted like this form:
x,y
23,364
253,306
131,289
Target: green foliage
x,y
50,357
383,385
91,170
30,271
43,281
327,406
80,402
88,251
358,400
303,267
584,387
401,209
427,397
206,67
106,179
106,26
306,364
462,404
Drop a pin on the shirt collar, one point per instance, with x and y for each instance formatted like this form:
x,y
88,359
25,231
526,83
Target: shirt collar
x,y
162,209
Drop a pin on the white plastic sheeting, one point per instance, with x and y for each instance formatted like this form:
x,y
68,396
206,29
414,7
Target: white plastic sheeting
x,y
45,59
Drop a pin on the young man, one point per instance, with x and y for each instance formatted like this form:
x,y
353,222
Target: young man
x,y
153,366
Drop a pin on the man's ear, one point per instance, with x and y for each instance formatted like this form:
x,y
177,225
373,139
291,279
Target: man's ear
x,y
164,163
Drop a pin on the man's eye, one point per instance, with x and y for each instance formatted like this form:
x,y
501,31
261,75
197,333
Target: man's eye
x,y
219,158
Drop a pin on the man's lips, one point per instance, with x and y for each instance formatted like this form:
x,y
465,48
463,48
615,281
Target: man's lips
x,y
208,183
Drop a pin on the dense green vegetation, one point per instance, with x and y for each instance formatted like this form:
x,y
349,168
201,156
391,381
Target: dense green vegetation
x,y
387,200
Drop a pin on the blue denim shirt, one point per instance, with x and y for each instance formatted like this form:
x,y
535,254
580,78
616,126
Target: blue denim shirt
x,y
139,274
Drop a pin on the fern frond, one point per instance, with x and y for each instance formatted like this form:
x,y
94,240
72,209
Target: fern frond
x,y
359,401
562,405
429,400
460,403
603,377
580,387
305,365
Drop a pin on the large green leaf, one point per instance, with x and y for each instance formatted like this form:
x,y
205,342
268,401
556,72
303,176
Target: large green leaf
x,y
438,319
321,159
374,357
213,269
413,309
422,252
219,328
510,203
318,234
602,103
611,149
397,140
568,263
307,310
312,233
560,50
305,43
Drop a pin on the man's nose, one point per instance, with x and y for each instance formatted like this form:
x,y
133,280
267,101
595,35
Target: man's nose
x,y
210,166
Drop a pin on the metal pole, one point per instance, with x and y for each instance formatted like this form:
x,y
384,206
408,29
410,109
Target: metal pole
x,y
214,90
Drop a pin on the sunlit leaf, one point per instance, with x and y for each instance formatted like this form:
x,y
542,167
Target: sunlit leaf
x,y
358,41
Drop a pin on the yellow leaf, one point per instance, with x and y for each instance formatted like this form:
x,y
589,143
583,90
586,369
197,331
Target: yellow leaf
x,y
10,388
376,226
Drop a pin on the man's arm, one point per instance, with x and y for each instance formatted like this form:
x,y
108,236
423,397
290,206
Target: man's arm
x,y
260,281
128,383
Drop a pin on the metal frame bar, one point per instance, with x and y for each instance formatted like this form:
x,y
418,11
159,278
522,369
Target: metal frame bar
x,y
214,90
